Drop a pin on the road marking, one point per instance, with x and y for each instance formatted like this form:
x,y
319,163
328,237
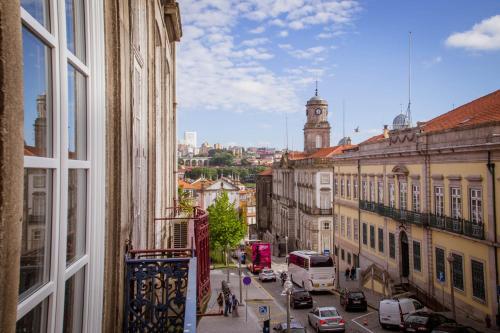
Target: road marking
x,y
362,326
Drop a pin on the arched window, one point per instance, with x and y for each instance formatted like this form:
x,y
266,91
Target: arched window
x,y
318,141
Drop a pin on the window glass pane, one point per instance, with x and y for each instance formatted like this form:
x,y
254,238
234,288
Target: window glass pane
x,y
37,96
39,9
458,272
35,320
77,206
478,287
75,27
36,231
73,302
77,115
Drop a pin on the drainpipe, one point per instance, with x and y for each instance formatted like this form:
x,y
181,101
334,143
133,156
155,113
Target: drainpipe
x,y
359,214
491,169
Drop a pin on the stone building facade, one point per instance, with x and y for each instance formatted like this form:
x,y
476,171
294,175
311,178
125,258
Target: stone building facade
x,y
424,195
88,155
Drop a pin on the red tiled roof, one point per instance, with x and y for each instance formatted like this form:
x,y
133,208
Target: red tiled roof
x,y
297,155
329,151
374,139
482,110
267,172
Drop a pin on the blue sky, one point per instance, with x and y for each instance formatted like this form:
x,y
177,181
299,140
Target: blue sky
x,y
244,64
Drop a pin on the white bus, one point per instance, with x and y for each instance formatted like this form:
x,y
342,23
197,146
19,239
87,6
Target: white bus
x,y
311,270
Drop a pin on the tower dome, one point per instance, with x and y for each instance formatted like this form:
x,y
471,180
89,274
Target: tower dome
x,y
344,141
400,122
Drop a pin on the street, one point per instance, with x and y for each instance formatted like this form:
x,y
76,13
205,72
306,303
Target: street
x,y
355,320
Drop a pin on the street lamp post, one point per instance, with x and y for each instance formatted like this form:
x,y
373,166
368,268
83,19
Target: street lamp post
x,y
288,286
452,287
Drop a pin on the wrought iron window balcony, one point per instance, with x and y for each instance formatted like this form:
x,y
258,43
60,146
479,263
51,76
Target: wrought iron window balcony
x,y
458,226
160,293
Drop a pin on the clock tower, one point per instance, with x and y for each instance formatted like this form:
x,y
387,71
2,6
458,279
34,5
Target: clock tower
x,y
317,127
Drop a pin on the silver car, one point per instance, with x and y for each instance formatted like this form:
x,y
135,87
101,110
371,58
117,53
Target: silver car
x,y
326,319
267,275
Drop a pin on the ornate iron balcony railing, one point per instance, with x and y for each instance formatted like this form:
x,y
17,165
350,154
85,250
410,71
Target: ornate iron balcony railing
x,y
160,291
458,226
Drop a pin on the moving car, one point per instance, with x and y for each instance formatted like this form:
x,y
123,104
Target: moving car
x,y
326,319
423,322
453,328
295,327
301,297
267,275
353,299
392,312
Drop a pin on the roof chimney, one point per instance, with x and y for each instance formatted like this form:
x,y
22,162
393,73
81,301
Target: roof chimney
x,y
386,131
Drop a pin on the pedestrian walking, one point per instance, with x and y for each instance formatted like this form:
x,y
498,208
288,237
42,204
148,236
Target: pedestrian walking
x,y
347,272
220,301
235,303
353,273
227,298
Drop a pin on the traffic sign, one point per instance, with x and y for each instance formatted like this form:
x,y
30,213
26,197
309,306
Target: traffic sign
x,y
326,252
247,280
263,310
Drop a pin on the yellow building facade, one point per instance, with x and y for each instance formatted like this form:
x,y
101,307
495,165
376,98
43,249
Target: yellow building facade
x,y
416,208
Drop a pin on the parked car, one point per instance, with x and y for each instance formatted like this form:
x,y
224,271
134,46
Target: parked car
x,y
267,275
453,328
326,319
424,321
301,297
295,327
353,299
392,312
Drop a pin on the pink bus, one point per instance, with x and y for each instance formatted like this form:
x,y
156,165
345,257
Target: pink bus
x,y
258,256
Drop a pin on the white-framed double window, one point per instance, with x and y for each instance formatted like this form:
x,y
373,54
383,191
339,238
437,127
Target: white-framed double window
x,y
403,195
438,200
415,194
62,227
456,202
392,200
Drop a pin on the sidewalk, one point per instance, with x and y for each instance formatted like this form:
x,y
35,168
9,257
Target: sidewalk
x,y
373,300
230,324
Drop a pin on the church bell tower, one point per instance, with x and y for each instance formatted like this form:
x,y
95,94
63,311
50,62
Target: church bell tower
x,y
317,127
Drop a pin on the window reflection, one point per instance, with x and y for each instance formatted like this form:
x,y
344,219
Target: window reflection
x,y
37,97
39,9
35,320
77,115
36,229
77,205
73,302
75,27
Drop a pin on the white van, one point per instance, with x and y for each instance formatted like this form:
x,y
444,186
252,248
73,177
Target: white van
x,y
391,312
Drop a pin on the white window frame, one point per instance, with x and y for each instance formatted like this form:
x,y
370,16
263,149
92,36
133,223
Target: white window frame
x,y
392,199
59,164
415,189
439,200
476,205
403,195
456,202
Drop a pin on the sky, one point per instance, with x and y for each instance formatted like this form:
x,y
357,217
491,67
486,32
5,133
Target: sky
x,y
246,68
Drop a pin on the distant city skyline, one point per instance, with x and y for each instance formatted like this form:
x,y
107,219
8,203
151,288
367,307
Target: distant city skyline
x,y
244,64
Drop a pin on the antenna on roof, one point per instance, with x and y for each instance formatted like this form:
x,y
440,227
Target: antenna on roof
x,y
316,93
408,110
286,130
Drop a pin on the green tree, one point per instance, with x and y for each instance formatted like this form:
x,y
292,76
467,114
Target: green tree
x,y
222,159
186,203
226,227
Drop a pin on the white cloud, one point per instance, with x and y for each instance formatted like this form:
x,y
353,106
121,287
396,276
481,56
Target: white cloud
x,y
283,33
483,36
258,30
307,53
255,42
218,72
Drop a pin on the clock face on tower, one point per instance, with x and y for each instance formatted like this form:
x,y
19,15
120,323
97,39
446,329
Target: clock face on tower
x,y
318,111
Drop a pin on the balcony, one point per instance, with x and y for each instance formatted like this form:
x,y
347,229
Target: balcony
x,y
166,288
315,211
457,226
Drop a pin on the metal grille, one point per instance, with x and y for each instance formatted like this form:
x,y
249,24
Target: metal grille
x,y
372,236
478,289
417,262
381,240
458,271
392,245
440,268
